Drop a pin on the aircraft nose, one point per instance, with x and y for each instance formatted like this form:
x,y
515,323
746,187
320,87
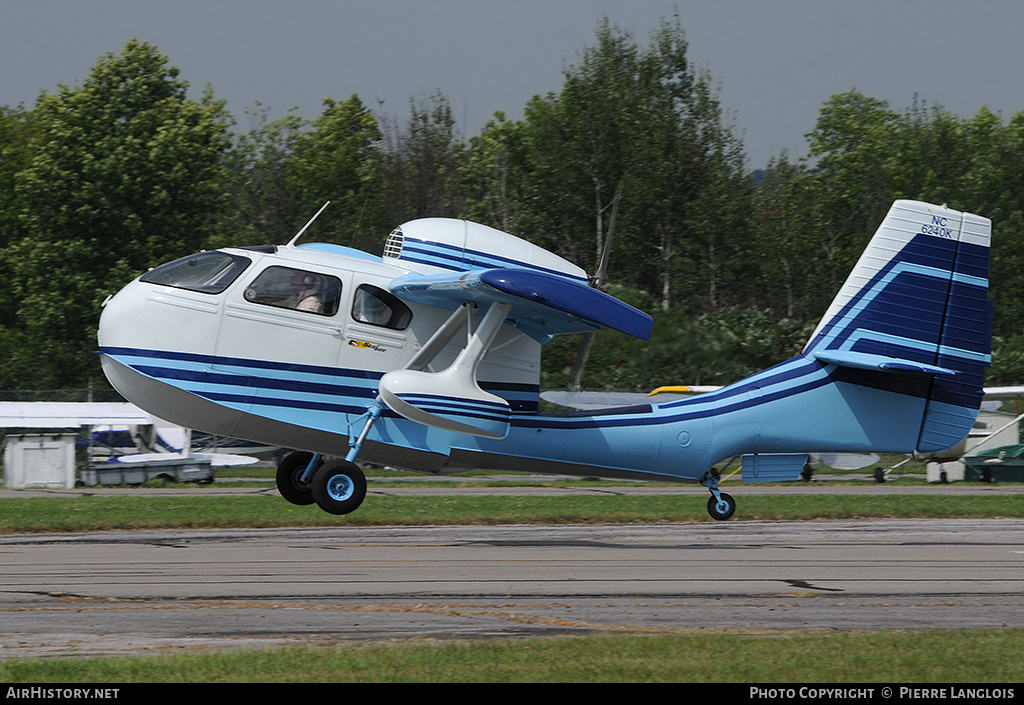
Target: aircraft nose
x,y
109,318
145,316
122,319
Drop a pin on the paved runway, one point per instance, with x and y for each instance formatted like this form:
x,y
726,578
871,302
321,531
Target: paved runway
x,y
118,592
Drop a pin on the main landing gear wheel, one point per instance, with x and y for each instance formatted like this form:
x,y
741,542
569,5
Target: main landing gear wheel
x,y
338,487
289,482
722,510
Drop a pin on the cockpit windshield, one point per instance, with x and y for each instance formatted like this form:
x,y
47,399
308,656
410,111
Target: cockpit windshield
x,y
206,272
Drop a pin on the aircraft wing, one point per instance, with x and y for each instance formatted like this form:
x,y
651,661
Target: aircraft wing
x,y
1003,392
216,459
543,305
18,414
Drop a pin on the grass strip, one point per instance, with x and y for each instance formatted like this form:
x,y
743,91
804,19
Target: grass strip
x,y
990,656
104,513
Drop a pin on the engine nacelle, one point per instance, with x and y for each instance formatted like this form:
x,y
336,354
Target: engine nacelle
x,y
435,245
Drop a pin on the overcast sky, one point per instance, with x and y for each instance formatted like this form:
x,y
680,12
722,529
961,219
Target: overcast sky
x,y
775,61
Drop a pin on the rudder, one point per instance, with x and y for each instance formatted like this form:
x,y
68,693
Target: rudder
x,y
966,343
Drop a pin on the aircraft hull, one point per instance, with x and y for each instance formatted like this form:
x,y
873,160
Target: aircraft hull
x,y
796,407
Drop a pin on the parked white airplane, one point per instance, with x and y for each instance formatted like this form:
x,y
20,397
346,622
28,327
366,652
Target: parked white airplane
x,y
168,440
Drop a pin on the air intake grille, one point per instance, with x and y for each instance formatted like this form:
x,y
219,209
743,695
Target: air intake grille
x,y
393,246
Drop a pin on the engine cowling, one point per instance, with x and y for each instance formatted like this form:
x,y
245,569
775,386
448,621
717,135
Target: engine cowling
x,y
434,245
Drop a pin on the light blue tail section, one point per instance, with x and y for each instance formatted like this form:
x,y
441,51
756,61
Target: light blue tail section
x,y
914,317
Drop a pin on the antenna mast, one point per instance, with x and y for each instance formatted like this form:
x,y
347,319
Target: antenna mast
x,y
304,227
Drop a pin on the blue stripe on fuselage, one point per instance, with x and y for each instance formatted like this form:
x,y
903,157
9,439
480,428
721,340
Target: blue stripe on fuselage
x,y
790,378
213,374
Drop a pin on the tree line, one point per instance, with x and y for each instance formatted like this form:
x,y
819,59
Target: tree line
x,y
634,156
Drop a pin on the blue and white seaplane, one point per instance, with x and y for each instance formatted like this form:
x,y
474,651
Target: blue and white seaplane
x,y
428,358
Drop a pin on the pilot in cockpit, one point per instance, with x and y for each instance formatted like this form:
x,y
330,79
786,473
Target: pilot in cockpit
x,y
306,290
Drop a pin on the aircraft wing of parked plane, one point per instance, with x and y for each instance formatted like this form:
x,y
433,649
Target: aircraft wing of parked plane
x,y
992,393
47,414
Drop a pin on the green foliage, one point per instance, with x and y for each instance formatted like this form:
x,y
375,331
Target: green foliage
x,y
1007,361
263,206
333,161
814,218
128,512
282,171
418,172
17,138
714,348
496,189
123,173
636,141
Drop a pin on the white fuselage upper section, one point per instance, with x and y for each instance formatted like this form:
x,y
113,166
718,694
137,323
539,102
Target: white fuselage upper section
x,y
245,321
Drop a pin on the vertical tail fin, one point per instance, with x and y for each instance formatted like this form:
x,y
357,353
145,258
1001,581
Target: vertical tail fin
x,y
917,302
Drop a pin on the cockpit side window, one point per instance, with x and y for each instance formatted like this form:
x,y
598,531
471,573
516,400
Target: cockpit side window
x,y
206,272
379,307
296,289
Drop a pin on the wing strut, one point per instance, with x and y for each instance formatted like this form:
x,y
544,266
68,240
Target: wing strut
x,y
452,399
441,337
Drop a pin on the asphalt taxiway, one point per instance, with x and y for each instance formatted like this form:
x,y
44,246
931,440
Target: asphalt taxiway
x,y
143,591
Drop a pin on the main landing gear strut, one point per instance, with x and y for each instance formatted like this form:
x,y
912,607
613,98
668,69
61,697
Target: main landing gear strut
x,y
721,506
336,486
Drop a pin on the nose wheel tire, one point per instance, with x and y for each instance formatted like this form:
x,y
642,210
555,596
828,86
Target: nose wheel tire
x,y
721,510
289,484
338,487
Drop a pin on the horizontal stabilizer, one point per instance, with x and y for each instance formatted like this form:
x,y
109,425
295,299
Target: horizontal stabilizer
x,y
543,304
869,361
